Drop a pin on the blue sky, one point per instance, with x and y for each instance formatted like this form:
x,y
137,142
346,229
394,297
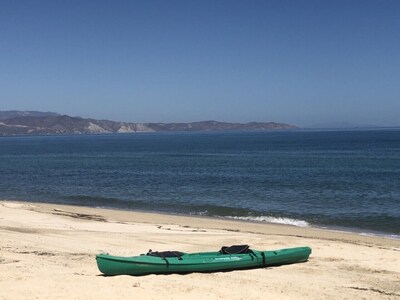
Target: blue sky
x,y
299,62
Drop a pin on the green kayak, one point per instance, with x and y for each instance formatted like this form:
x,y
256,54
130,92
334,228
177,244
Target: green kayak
x,y
228,258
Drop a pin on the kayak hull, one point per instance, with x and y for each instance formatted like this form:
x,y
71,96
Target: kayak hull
x,y
198,262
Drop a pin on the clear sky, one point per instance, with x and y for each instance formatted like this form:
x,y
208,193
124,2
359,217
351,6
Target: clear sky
x,y
299,62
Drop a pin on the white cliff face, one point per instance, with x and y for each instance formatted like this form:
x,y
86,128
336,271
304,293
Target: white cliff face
x,y
143,128
134,128
22,126
125,128
93,128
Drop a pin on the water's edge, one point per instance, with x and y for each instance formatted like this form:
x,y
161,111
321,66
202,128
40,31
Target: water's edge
x,y
267,220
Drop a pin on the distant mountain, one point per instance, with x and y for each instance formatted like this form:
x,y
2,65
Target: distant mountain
x,y
4,115
217,126
20,122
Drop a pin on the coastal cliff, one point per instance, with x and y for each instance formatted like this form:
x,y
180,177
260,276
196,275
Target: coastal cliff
x,y
30,122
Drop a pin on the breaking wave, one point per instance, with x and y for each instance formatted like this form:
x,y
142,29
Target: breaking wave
x,y
269,219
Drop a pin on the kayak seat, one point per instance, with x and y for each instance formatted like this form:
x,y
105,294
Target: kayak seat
x,y
235,249
165,254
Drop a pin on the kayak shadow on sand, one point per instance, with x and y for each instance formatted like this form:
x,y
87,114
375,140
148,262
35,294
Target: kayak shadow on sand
x,y
205,272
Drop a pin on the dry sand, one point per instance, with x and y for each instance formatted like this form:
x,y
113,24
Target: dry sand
x,y
48,252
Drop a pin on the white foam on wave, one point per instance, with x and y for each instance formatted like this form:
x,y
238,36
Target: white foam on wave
x,y
389,236
277,220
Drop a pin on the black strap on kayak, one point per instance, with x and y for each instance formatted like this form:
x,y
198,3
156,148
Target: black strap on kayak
x,y
252,254
178,254
263,258
158,254
166,260
165,254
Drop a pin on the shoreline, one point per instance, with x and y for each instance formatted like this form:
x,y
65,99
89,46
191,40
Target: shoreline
x,y
338,229
48,250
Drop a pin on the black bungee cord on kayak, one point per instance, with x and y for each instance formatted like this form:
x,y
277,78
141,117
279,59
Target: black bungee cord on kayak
x,y
165,254
242,249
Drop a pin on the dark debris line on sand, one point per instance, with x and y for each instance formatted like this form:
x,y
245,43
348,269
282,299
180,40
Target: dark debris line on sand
x,y
372,290
79,215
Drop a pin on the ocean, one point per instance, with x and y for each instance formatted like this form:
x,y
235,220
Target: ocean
x,y
343,180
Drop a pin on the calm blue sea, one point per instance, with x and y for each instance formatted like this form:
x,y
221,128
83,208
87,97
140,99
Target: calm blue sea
x,y
337,179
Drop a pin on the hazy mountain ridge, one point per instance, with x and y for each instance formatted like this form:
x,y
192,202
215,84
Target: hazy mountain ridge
x,y
9,114
17,122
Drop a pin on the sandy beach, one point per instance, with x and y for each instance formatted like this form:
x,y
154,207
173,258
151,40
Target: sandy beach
x,y
48,252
